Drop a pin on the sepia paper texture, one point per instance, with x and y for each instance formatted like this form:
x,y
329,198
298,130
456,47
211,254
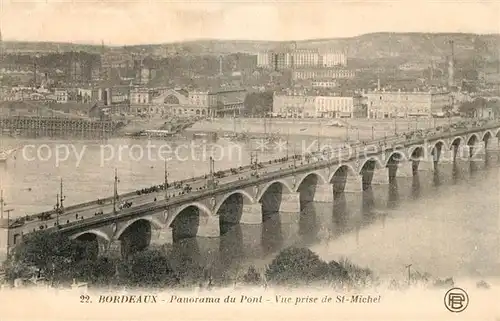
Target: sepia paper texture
x,y
363,31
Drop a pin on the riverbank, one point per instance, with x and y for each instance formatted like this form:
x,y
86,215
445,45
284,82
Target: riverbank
x,y
363,129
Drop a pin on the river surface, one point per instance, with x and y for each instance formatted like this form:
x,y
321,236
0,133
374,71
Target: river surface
x,y
445,224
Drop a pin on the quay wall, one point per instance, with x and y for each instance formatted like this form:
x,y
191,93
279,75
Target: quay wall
x,y
315,127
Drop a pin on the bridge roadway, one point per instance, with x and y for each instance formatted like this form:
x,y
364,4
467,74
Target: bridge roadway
x,y
88,210
145,202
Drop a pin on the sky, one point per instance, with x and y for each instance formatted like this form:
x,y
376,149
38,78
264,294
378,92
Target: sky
x,y
127,22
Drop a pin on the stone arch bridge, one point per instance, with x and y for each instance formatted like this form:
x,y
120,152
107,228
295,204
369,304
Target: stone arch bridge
x,y
205,213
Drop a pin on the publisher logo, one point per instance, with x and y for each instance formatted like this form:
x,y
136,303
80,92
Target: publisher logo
x,y
456,300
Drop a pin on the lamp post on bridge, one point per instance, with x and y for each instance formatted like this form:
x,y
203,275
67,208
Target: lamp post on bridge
x,y
254,161
319,142
8,228
166,180
211,181
115,192
287,142
62,197
295,156
2,203
57,209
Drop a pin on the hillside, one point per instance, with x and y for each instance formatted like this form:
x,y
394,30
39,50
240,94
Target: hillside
x,y
422,46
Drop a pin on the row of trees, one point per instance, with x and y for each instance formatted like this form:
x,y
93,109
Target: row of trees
x,y
60,260
475,106
258,103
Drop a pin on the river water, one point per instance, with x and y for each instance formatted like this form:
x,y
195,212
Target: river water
x,y
445,224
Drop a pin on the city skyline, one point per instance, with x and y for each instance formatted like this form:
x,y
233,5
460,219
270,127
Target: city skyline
x,y
158,22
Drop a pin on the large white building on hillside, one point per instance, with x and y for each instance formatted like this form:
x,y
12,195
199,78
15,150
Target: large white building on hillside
x,y
301,58
333,59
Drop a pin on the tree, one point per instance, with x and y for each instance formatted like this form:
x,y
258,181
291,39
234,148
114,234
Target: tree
x,y
470,107
98,272
357,276
150,268
336,273
296,265
252,277
53,254
258,103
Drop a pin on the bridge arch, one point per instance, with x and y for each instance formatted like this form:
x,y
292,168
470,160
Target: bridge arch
x,y
395,157
97,233
93,243
319,177
344,168
272,197
230,209
154,223
367,170
308,186
375,161
472,139
201,207
487,135
185,222
436,149
438,144
243,193
284,184
456,142
416,152
339,176
136,234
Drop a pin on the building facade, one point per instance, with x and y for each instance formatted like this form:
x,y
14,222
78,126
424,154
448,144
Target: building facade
x,y
281,60
385,104
293,105
62,95
300,58
337,107
323,73
230,101
305,58
264,59
332,83
140,96
194,103
120,94
333,59
84,94
302,105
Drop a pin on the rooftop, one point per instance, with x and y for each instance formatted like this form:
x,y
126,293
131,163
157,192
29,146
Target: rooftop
x,y
419,91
